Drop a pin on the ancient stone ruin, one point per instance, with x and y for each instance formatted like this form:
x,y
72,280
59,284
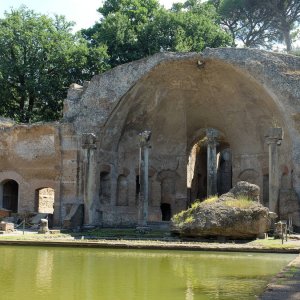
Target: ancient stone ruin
x,y
43,227
215,118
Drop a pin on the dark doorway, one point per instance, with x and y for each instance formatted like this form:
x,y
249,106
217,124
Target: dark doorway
x,y
165,211
224,171
10,195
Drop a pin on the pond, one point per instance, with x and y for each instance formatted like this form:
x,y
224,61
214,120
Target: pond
x,y
31,273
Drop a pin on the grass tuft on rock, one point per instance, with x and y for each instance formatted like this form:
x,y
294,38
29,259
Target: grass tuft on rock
x,y
210,199
242,202
187,217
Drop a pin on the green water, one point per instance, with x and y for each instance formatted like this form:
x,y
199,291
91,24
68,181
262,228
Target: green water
x,y
31,273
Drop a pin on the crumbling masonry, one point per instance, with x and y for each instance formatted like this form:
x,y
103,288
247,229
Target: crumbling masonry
x,y
216,117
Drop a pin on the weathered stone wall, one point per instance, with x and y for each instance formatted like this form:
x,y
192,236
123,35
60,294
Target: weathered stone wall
x,y
45,200
92,156
33,156
30,155
240,92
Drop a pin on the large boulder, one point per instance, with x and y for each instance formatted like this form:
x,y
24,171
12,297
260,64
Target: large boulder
x,y
243,189
236,214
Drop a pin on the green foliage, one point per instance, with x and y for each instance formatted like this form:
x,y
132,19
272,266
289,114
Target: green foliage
x,y
296,52
39,59
286,17
210,199
187,217
183,218
132,29
189,220
183,31
248,21
241,202
260,23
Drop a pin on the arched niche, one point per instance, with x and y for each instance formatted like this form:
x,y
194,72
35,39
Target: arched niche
x,y
175,100
197,165
9,194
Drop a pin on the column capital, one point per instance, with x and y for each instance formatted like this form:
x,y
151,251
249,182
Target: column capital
x,y
88,141
274,136
144,138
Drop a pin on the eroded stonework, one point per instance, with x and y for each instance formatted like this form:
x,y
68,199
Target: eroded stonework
x,y
92,156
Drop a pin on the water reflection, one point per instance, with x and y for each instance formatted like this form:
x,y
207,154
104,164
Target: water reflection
x,y
103,274
189,294
44,270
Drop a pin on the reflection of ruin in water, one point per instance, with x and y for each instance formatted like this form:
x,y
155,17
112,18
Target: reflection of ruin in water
x,y
51,273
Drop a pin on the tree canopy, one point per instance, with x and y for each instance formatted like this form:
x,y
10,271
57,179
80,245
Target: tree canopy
x,y
260,23
132,29
286,17
39,58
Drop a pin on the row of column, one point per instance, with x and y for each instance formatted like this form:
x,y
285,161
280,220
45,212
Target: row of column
x,y
273,138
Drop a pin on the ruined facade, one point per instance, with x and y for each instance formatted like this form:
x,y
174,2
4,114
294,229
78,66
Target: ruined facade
x,y
90,160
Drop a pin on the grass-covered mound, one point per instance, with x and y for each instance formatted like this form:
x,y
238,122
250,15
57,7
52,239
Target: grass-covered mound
x,y
236,214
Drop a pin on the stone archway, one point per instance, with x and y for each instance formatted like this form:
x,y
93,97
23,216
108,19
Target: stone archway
x,y
10,195
174,100
200,164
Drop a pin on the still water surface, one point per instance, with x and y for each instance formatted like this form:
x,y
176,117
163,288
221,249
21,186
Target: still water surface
x,y
31,273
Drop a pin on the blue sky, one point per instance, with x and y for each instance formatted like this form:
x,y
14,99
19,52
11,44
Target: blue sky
x,y
83,12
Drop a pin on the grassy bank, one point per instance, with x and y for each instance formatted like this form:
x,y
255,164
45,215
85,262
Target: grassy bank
x,y
129,238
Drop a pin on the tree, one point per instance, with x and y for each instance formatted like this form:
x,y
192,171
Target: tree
x,y
248,21
133,29
39,58
120,27
260,23
183,31
286,15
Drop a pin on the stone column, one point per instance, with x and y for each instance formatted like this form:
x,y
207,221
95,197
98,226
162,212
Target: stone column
x,y
89,177
212,136
144,138
274,138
